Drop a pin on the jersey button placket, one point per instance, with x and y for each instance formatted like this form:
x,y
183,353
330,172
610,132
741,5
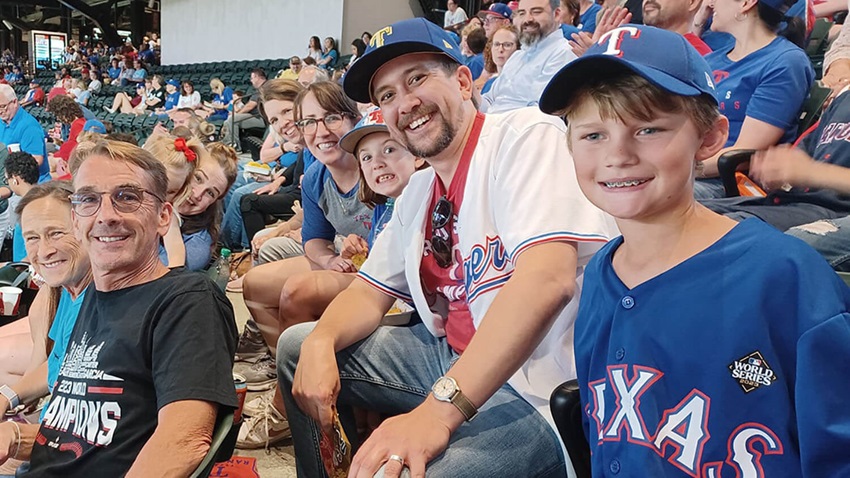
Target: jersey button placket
x,y
614,466
628,302
620,354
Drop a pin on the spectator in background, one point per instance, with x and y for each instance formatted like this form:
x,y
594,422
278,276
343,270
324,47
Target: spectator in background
x,y
20,131
123,103
292,70
505,42
127,72
67,112
676,16
454,14
314,49
330,56
34,96
114,70
589,9
495,17
172,95
146,54
569,17
139,72
762,79
836,62
247,115
95,84
189,98
358,48
544,51
21,176
312,74
80,93
366,37
16,76
476,41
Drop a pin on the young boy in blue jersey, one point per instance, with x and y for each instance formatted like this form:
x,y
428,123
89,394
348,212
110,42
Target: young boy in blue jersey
x,y
704,347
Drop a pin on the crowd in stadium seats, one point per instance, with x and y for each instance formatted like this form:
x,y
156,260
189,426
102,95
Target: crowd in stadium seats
x,y
445,224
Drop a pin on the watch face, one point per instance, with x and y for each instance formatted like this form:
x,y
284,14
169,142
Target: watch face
x,y
444,388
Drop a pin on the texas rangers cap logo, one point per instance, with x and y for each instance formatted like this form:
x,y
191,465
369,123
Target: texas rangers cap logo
x,y
374,116
752,371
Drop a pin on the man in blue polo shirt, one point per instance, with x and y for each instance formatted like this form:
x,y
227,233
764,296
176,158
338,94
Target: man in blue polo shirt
x,y
20,131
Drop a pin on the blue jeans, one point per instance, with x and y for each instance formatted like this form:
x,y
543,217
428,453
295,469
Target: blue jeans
x,y
391,372
830,237
232,228
709,188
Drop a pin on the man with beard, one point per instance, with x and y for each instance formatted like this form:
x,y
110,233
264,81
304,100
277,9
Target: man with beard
x,y
527,72
676,16
494,275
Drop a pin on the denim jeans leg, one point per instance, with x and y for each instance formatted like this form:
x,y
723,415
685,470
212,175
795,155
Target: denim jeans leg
x,y
709,188
232,229
391,372
830,237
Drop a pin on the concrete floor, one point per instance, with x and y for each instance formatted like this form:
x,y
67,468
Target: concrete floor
x,y
279,461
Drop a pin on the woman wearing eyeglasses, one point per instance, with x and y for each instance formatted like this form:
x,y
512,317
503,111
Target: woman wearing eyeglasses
x,y
329,191
505,42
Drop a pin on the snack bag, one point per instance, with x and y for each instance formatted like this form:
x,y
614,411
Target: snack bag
x,y
358,260
336,450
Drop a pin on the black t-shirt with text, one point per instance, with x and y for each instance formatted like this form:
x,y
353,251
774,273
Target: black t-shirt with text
x,y
132,352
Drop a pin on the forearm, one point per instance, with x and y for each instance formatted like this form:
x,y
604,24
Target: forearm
x,y
17,440
174,246
339,328
32,386
184,436
515,324
320,251
270,153
826,176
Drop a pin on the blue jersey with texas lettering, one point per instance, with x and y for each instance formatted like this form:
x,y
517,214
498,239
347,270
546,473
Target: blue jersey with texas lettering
x,y
732,364
769,85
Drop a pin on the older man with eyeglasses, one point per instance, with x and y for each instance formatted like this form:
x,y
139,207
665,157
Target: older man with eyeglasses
x,y
19,131
148,365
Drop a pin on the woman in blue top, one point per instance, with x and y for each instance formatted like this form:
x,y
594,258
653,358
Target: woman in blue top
x,y
760,82
63,264
223,96
385,169
330,55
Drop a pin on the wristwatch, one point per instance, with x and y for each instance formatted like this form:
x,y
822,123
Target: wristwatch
x,y
11,396
445,389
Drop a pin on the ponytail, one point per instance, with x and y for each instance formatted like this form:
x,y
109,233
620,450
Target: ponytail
x,y
794,29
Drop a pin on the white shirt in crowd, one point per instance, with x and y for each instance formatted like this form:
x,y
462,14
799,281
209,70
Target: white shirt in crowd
x,y
189,101
526,74
454,18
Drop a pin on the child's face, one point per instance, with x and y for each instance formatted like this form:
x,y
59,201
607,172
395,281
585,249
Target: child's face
x,y
387,165
634,169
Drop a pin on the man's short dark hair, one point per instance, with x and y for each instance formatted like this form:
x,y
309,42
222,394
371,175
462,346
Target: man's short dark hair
x,y
22,165
260,72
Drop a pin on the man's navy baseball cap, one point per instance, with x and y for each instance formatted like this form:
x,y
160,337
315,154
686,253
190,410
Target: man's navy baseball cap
x,y
416,35
662,57
781,6
497,10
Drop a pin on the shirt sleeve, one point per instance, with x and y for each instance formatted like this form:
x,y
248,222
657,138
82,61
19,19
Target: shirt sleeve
x,y
789,77
195,325
526,220
315,225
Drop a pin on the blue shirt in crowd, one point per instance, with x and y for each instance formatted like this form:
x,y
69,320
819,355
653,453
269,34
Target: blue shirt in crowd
x,y
25,131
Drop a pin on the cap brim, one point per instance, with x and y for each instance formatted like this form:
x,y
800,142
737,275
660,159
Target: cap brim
x,y
352,138
560,90
357,83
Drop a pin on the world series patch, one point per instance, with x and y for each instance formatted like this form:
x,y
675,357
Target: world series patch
x,y
752,371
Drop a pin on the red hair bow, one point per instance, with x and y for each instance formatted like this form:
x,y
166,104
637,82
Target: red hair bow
x,y
180,145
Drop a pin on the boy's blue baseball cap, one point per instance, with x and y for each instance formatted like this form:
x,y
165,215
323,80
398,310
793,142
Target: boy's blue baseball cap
x,y
95,126
173,82
416,35
372,122
662,57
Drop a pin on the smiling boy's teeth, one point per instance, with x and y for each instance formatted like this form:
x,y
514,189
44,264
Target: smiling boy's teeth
x,y
625,184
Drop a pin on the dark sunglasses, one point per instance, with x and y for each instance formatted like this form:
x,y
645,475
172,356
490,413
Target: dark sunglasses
x,y
440,218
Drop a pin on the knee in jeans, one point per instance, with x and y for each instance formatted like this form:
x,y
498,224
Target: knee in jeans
x,y
289,346
819,228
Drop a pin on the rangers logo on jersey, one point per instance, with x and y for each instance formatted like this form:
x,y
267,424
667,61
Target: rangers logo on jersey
x,y
752,371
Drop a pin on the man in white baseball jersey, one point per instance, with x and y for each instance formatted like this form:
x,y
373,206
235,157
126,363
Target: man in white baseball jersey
x,y
489,244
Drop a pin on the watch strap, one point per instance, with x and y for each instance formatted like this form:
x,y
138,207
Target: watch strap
x,y
10,395
467,408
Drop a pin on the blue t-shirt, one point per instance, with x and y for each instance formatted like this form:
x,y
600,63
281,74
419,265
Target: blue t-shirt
x,y
488,84
84,97
568,30
60,333
114,72
769,85
198,250
587,20
171,100
475,63
140,74
19,248
334,57
25,130
287,159
381,216
718,362
329,212
224,98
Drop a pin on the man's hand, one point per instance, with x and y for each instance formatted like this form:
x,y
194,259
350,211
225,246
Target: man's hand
x,y
353,245
418,437
8,441
781,166
315,386
610,19
268,189
339,264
